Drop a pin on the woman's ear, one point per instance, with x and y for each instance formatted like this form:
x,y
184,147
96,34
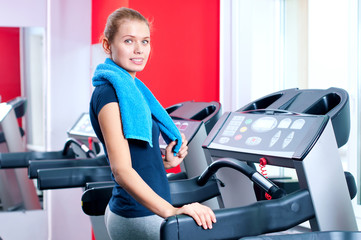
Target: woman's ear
x,y
106,46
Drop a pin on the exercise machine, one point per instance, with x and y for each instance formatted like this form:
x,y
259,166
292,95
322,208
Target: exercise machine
x,y
300,129
19,201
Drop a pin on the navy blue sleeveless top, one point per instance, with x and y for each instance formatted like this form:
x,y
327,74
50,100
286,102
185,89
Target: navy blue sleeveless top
x,y
146,161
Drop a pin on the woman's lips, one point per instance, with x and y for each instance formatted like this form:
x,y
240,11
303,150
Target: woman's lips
x,y
138,61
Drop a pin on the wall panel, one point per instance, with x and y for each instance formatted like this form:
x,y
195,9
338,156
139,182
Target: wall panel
x,y
9,63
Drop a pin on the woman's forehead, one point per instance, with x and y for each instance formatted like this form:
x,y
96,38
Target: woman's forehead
x,y
133,27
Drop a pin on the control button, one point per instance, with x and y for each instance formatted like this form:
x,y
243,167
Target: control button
x,y
248,121
285,123
224,140
298,124
275,138
183,126
238,137
264,124
228,133
243,129
288,139
231,128
238,118
235,123
252,141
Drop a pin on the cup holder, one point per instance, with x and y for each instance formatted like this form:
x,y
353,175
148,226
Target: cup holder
x,y
204,113
173,108
324,105
262,103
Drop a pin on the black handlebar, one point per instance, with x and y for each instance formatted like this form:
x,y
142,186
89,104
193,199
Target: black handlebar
x,y
235,223
89,153
242,167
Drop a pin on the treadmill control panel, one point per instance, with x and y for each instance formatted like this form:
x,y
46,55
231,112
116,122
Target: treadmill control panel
x,y
188,127
83,129
283,135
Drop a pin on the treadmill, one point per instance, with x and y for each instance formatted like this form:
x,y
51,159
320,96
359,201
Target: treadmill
x,y
18,199
300,129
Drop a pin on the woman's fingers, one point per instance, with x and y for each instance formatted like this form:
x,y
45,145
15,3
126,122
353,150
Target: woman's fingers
x,y
184,140
171,145
203,215
182,153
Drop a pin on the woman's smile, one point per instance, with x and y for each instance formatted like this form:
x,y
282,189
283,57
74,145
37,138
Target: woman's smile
x,y
137,61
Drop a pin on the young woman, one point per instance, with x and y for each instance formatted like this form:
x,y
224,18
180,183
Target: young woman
x,y
128,120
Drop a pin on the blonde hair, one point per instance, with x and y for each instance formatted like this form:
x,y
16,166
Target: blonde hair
x,y
115,19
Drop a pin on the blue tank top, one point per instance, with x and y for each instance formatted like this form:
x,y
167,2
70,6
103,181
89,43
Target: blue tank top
x,y
146,161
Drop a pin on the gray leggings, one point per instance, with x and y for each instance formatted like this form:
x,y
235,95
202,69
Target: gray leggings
x,y
147,228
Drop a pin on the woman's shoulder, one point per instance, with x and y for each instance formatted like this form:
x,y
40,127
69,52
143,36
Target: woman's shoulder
x,y
102,95
103,89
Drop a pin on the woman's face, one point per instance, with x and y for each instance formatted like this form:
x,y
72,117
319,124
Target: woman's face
x,y
131,46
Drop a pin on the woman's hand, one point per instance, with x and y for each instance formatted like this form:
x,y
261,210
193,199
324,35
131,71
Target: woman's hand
x,y
170,160
203,215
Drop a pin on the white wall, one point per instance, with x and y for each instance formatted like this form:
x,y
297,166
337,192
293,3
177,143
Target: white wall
x,y
22,13
67,96
69,41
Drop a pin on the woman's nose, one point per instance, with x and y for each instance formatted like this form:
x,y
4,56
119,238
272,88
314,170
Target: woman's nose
x,y
138,48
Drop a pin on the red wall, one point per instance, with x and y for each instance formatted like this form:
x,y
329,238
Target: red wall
x,y
9,64
100,11
184,63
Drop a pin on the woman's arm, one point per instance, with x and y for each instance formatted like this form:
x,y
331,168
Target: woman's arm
x,y
121,166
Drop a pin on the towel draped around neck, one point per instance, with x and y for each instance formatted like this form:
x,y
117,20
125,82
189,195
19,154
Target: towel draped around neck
x,y
137,105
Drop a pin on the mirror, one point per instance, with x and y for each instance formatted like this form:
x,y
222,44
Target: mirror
x,y
22,74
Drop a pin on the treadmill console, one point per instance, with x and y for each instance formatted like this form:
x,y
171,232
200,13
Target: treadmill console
x,y
188,127
267,133
83,129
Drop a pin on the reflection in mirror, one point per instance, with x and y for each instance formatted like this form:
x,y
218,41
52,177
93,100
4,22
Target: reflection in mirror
x,y
22,73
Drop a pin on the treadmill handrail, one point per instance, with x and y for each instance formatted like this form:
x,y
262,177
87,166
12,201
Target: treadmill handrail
x,y
95,199
234,223
35,165
89,153
264,183
21,159
71,177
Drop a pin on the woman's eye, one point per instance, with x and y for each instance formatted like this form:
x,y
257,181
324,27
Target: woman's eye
x,y
128,41
145,42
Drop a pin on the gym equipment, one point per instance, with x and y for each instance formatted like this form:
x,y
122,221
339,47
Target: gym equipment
x,y
194,120
96,196
194,130
22,159
21,194
19,201
19,104
35,166
300,129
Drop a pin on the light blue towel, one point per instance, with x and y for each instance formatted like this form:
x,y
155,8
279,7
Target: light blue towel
x,y
137,105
